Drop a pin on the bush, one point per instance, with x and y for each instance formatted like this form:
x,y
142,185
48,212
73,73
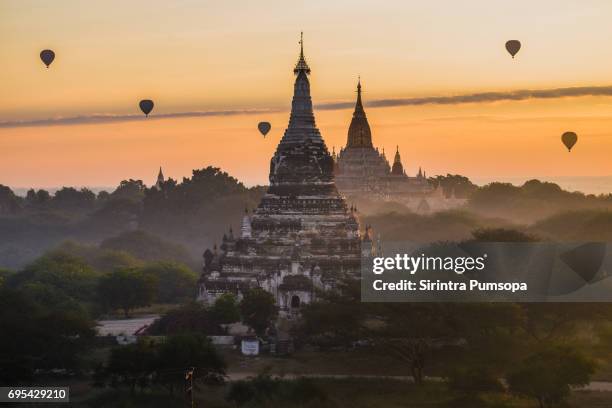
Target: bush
x,y
175,281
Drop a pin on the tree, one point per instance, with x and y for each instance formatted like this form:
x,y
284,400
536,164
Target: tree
x,y
71,199
176,281
335,320
502,235
411,331
147,247
190,318
62,270
102,260
258,309
469,383
37,198
226,309
165,363
133,190
126,289
4,273
184,351
486,329
132,365
40,336
10,203
461,186
548,375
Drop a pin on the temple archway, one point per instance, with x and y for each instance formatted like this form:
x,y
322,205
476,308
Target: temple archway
x,y
295,302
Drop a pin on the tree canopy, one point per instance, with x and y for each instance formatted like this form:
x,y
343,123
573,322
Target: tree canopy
x,y
258,309
126,289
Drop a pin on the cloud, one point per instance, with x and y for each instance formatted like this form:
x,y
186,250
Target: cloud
x,y
481,97
107,118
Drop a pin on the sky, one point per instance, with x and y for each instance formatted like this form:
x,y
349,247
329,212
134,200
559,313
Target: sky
x,y
235,60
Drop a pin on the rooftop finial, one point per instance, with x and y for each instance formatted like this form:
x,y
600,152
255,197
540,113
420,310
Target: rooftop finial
x,y
301,64
301,44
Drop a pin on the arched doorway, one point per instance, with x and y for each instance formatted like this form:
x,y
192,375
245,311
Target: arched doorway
x,y
295,302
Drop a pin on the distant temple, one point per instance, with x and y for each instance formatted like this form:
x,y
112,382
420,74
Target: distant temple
x,y
302,236
363,172
160,179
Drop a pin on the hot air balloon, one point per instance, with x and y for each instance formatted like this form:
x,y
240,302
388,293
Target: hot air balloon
x,y
569,139
146,106
513,46
47,56
264,128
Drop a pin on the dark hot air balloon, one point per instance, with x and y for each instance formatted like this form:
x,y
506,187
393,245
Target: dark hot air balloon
x,y
513,46
264,128
569,139
47,56
146,106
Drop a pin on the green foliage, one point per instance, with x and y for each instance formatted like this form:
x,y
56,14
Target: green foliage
x,y
334,321
147,247
441,226
133,364
37,199
102,260
121,398
456,184
71,199
266,391
190,318
226,309
582,225
190,350
502,235
548,375
209,201
39,333
175,282
474,381
561,321
141,364
70,274
258,309
133,190
4,274
126,289
10,204
532,201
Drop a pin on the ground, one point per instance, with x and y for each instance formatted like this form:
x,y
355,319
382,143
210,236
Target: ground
x,y
341,393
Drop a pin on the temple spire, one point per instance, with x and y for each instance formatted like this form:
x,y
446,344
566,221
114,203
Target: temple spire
x,y
398,168
359,105
301,158
301,64
359,134
160,179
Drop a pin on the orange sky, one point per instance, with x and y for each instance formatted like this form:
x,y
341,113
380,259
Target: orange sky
x,y
199,56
